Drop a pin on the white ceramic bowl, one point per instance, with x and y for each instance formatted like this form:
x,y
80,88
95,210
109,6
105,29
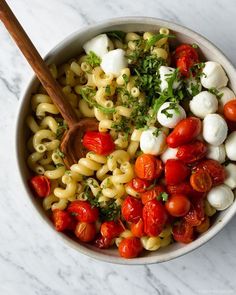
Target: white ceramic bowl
x,y
69,48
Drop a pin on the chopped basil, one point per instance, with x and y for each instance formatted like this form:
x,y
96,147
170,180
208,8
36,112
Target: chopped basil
x,y
92,59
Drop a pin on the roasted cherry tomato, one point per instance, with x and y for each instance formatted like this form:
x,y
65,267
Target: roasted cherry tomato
x,y
196,214
111,229
184,132
83,211
152,194
61,219
201,181
40,185
186,50
132,209
184,64
204,225
192,152
183,232
103,243
230,110
180,188
216,171
154,217
138,184
130,247
175,171
177,205
148,167
85,231
137,228
98,142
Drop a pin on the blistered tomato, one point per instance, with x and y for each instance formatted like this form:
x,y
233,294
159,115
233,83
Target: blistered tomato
x,y
85,231
177,205
83,211
131,209
40,185
130,247
98,142
148,167
175,171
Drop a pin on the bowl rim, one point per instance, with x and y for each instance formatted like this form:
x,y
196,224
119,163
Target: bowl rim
x,y
77,246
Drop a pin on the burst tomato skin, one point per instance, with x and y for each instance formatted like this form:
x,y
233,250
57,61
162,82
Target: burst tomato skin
x,y
131,209
175,171
148,167
130,247
184,132
111,229
201,181
192,152
154,217
196,214
186,50
85,231
102,243
61,219
137,229
177,205
215,169
83,211
152,194
183,232
98,142
40,185
180,188
138,184
184,64
230,110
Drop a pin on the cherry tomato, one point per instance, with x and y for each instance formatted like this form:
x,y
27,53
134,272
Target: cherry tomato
x,y
196,213
175,171
111,229
85,231
137,228
204,225
230,110
40,185
183,232
152,194
184,132
177,205
192,152
130,247
216,171
61,219
148,167
184,64
103,243
201,181
186,50
98,142
132,209
83,211
181,188
154,217
138,184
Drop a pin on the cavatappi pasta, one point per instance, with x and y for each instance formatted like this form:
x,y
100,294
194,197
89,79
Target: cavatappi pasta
x,y
139,89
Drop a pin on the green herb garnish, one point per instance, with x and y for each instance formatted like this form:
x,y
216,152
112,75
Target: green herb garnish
x,y
108,90
119,35
60,154
163,197
216,92
92,59
152,41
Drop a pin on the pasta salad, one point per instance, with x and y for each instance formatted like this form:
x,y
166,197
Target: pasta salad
x,y
158,144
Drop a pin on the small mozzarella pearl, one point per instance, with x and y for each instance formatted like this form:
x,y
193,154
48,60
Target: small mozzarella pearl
x,y
213,75
220,197
176,115
203,104
231,175
216,153
230,146
114,61
152,144
214,129
227,96
98,45
169,153
164,75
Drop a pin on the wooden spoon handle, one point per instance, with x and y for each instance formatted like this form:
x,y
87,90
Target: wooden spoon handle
x,y
38,65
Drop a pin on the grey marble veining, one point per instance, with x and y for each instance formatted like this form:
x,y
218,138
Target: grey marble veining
x,y
32,261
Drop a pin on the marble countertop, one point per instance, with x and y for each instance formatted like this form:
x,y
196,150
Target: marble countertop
x,y
32,261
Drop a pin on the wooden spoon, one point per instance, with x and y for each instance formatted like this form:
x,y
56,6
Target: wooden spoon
x,y
71,144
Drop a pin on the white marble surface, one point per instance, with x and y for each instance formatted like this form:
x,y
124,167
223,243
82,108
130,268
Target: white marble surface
x,y
32,261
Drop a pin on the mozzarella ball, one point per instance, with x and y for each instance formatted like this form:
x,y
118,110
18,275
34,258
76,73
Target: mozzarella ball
x,y
175,115
230,146
216,153
227,96
193,86
220,197
203,104
98,45
169,153
231,175
114,61
214,129
151,143
165,73
213,75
